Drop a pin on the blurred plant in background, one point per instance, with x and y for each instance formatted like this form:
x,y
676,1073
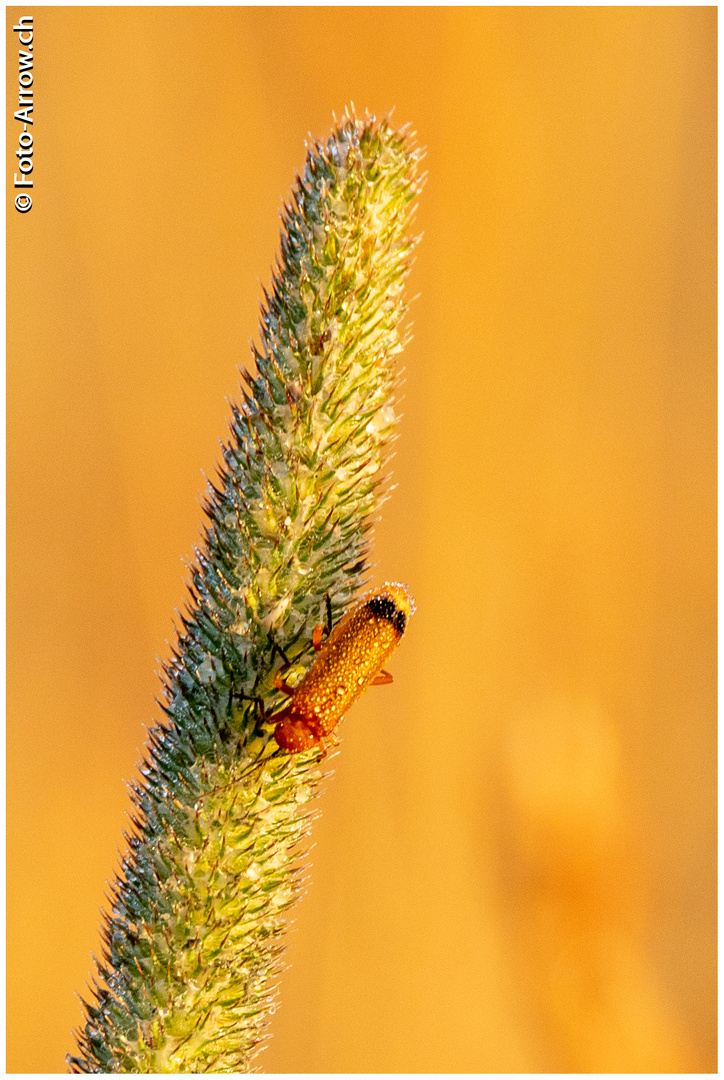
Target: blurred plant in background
x,y
574,898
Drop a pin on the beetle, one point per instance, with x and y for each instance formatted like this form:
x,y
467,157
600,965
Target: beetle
x,y
347,663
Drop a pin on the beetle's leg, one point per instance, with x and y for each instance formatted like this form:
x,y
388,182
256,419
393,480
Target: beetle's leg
x,y
280,684
279,680
232,684
319,631
241,696
322,752
382,678
280,650
233,693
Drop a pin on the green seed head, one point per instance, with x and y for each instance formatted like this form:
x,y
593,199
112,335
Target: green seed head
x,y
192,942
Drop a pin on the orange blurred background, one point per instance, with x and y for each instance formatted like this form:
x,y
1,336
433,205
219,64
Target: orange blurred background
x,y
515,866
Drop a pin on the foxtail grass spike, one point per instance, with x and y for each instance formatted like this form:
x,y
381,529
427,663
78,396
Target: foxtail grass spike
x,y
193,939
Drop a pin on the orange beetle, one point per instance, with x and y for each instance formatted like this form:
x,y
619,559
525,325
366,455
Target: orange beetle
x,y
346,664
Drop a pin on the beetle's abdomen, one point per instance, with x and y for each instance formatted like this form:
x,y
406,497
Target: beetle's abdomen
x,y
349,660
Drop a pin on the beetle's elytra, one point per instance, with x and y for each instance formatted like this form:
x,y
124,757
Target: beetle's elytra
x,y
346,664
